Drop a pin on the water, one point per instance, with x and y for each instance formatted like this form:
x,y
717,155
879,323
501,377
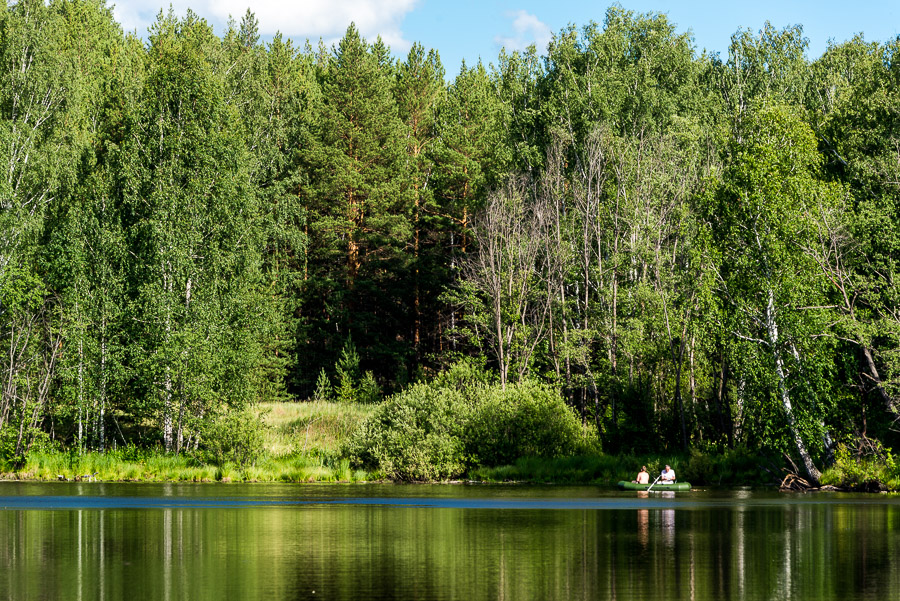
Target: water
x,y
258,541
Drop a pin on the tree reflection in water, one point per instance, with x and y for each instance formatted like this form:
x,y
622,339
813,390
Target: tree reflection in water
x,y
432,543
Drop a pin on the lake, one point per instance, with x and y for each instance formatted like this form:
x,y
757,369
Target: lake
x,y
432,542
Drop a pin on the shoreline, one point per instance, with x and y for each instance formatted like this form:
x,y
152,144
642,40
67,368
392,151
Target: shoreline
x,y
866,488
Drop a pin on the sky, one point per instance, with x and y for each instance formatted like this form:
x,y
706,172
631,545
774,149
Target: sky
x,y
472,30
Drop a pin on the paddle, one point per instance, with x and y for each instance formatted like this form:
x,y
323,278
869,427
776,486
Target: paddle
x,y
654,482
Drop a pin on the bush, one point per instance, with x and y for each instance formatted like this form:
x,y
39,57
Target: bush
x,y
466,375
415,435
35,440
876,470
235,436
8,458
524,420
437,431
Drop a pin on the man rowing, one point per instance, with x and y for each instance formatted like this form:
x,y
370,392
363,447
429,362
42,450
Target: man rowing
x,y
667,476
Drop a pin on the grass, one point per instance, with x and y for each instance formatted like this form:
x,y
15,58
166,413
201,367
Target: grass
x,y
310,427
302,444
159,467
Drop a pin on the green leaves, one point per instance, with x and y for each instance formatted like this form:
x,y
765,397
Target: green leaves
x,y
193,230
770,219
437,431
683,244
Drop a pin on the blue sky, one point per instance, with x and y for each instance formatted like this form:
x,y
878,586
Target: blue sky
x,y
470,30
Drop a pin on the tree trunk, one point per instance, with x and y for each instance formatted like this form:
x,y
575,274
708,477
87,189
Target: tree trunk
x,y
772,326
81,416
167,379
678,400
102,418
871,371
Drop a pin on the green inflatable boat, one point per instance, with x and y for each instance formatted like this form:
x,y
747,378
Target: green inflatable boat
x,y
658,487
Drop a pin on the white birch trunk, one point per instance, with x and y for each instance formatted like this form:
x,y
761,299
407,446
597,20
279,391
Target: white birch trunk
x,y
167,386
772,329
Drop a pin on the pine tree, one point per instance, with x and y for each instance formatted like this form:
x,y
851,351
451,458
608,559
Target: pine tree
x,y
359,212
419,88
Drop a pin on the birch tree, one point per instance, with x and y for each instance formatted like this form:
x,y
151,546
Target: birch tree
x,y
46,89
856,98
503,284
192,226
766,214
273,90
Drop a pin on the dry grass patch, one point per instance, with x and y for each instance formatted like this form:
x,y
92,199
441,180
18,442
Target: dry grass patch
x,y
304,426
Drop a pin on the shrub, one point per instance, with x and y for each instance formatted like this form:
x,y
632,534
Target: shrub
x,y
437,431
35,440
415,435
8,457
871,471
466,375
524,420
235,436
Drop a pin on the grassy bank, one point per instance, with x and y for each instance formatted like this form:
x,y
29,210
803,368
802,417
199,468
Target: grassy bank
x,y
158,467
319,465
872,471
732,468
302,443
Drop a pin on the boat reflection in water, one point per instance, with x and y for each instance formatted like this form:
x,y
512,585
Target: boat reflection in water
x,y
668,522
663,521
643,523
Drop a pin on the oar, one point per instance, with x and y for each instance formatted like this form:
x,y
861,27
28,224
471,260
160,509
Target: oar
x,y
654,482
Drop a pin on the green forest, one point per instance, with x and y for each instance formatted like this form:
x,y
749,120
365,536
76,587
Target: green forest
x,y
639,245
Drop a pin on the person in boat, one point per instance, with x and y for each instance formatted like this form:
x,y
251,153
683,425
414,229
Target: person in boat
x,y
643,476
667,476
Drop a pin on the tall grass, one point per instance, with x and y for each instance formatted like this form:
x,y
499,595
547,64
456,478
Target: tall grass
x,y
159,467
302,444
314,427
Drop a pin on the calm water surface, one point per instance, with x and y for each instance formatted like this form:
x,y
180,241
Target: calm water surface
x,y
259,541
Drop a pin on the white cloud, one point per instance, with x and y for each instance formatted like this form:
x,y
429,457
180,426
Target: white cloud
x,y
135,15
528,29
297,19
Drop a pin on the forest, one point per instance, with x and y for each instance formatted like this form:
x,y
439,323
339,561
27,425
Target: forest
x,y
693,251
